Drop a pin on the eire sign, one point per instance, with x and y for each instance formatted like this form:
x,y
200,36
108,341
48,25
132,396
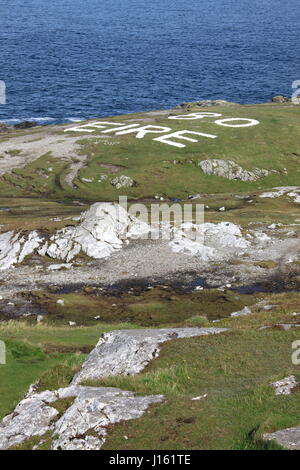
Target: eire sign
x,y
169,136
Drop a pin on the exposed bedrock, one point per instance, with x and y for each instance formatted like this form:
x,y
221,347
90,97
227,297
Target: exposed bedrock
x,y
83,426
127,352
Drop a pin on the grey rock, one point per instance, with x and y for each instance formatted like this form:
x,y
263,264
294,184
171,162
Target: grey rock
x,y
122,182
206,104
287,326
242,313
92,411
269,307
101,231
231,170
127,352
25,125
288,438
282,326
280,99
94,408
32,417
14,247
285,386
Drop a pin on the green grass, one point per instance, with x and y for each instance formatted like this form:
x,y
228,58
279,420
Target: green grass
x,y
152,308
49,354
234,369
36,443
273,144
19,373
252,442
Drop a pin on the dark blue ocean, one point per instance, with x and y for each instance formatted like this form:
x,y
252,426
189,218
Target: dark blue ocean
x,y
74,59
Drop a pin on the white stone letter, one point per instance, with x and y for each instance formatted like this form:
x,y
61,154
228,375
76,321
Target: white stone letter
x,y
2,353
166,139
192,116
97,125
296,354
142,131
249,123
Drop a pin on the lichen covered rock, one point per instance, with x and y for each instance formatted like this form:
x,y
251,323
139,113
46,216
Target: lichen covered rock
x,y
82,427
231,170
127,352
122,182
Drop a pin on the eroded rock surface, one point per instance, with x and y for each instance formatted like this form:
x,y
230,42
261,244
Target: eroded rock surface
x,y
14,247
231,170
288,438
127,352
213,241
293,192
82,426
122,182
106,227
100,232
285,386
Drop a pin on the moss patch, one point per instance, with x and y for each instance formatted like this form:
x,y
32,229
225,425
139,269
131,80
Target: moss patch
x,y
155,307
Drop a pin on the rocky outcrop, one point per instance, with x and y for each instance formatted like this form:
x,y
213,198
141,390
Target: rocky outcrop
x,y
280,99
14,247
82,427
127,352
206,104
122,181
95,409
231,170
214,241
25,125
100,232
285,386
292,192
287,438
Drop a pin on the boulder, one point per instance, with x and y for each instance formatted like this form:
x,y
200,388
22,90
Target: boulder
x,y
231,170
242,313
14,247
122,182
285,386
213,242
280,99
25,125
101,231
292,192
287,438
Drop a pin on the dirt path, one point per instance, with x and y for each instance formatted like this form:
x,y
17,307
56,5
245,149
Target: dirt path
x,y
18,151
